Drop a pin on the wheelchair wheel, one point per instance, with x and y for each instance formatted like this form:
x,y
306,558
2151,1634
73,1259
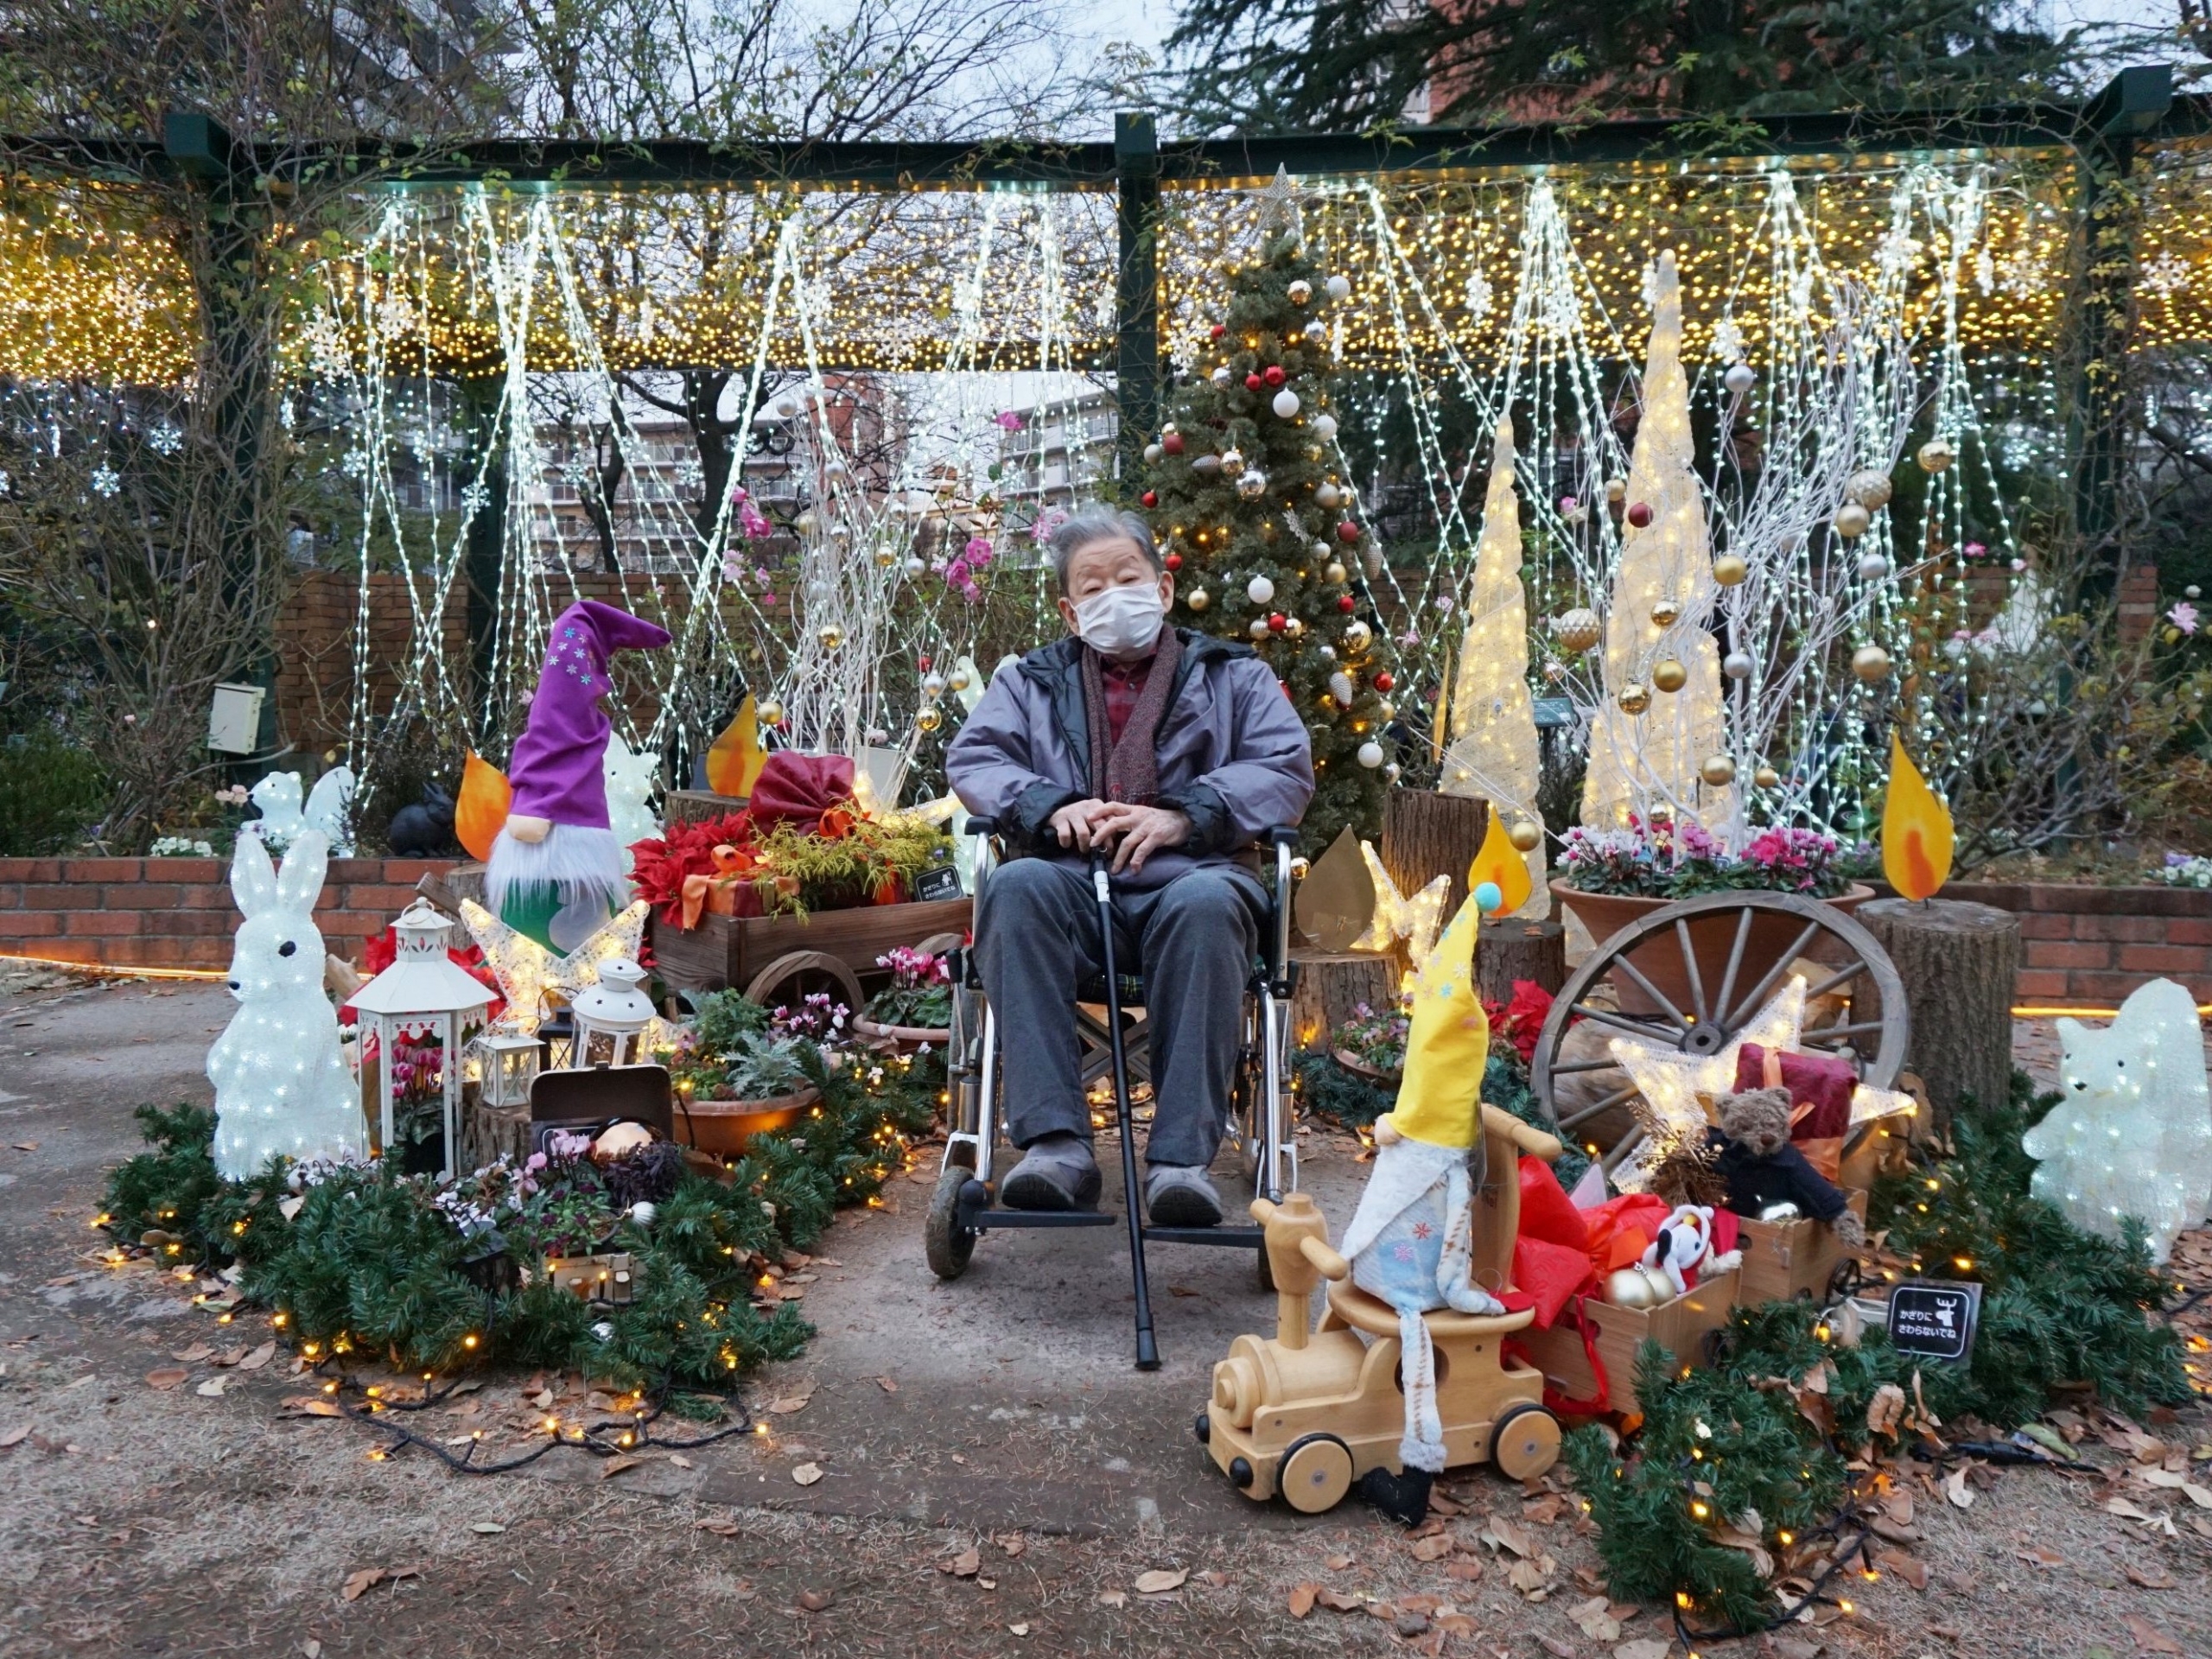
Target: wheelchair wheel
x,y
946,1243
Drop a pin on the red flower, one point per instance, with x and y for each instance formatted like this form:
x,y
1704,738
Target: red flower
x,y
1521,1022
380,950
660,863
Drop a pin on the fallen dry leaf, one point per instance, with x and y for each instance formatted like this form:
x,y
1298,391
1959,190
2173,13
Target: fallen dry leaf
x,y
1467,1571
487,1528
1955,1489
1019,1629
1544,1511
815,1601
259,1358
1912,1571
1337,1563
2202,1497
789,1403
720,1529
1596,1617
2121,1507
16,1436
1646,1649
987,1584
679,1460
1789,1647
1302,1598
1012,1543
213,1388
1339,1602
887,1384
310,1405
359,1584
1886,1410
1112,1598
311,1649
166,1377
965,1565
194,1355
1526,1577
1556,1648
1161,1579
2149,1638
1435,1547
614,1466
806,1474
2036,1555
2137,1576
1502,1532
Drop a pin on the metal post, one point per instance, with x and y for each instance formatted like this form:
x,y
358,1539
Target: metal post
x,y
1136,292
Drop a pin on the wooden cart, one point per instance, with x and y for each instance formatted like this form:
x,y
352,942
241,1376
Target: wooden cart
x,y
777,958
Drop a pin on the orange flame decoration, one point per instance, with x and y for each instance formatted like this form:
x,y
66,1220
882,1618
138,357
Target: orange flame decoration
x,y
482,806
1498,860
736,757
1916,829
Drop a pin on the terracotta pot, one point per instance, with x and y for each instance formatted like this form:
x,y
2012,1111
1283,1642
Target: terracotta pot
x,y
1360,1068
724,1126
1660,960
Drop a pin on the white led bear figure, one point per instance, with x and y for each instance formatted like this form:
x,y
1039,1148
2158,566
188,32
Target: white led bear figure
x,y
280,1083
2132,1134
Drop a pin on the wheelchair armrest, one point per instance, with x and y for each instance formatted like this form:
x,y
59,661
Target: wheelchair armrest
x,y
1283,835
981,826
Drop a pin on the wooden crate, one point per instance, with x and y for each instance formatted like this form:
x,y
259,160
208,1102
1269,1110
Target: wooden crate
x,y
697,805
728,950
1783,1260
1678,1326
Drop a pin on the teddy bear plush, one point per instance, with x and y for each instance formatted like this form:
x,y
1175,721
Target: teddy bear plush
x,y
1753,1154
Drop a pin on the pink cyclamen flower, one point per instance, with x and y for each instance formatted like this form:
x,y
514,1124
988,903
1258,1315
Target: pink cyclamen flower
x,y
955,574
971,593
2184,616
1010,420
1973,549
1568,504
978,550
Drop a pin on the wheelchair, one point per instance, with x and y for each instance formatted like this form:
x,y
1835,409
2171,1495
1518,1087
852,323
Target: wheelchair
x,y
963,1207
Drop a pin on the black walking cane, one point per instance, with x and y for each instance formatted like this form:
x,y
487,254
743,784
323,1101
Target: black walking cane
x,y
1147,1349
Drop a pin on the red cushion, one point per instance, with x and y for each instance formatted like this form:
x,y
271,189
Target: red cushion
x,y
1820,1081
797,789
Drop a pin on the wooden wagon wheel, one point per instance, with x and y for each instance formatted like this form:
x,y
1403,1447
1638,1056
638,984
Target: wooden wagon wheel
x,y
1690,976
796,974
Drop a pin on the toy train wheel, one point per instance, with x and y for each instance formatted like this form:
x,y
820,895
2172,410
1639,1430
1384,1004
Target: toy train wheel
x,y
1524,1442
946,1243
1689,977
1316,1474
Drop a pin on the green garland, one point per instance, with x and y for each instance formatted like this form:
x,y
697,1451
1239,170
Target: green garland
x,y
370,1262
1717,1447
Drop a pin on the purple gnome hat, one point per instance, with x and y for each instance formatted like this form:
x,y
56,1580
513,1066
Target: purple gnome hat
x,y
556,773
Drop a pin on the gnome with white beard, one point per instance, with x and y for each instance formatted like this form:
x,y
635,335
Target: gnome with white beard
x,y
1412,1239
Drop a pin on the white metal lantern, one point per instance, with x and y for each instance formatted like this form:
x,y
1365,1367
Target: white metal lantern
x,y
423,994
510,1062
616,1008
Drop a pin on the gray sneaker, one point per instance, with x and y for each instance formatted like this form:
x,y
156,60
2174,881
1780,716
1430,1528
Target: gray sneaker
x,y
1179,1195
1057,1171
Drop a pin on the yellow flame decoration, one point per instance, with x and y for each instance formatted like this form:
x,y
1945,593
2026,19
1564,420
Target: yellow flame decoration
x,y
482,807
736,757
1498,860
1916,829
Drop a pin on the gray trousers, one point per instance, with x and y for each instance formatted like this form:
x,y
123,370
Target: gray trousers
x,y
1037,941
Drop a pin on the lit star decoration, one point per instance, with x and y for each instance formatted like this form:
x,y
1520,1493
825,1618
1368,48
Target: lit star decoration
x,y
1671,1082
1416,920
526,970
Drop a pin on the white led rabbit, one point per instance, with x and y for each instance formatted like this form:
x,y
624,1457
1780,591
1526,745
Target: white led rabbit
x,y
281,1083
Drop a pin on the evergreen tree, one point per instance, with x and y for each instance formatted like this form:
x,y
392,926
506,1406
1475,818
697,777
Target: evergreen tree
x,y
1249,497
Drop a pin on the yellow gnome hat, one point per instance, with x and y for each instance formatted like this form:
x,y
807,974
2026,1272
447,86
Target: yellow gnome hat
x,y
1448,1044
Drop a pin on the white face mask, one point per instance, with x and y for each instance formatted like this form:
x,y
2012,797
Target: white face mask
x,y
1120,619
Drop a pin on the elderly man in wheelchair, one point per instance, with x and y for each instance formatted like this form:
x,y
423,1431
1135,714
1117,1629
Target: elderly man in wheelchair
x,y
1169,753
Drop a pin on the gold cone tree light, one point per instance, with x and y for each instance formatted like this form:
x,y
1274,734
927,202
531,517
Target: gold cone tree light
x,y
1493,750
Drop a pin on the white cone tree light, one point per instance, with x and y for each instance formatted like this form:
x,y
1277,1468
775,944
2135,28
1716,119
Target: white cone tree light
x,y
1656,735
1493,751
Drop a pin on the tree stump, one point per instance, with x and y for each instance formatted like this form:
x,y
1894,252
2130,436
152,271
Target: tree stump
x,y
1426,834
1507,950
1329,985
1958,961
696,805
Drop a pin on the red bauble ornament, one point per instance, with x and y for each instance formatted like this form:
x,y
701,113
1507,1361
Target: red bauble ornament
x,y
1173,561
1218,330
1172,444
1277,622
1347,603
1274,376
1347,531
924,664
1150,498
1639,513
1384,681
1253,383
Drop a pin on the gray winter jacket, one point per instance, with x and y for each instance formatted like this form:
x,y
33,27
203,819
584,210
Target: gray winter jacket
x,y
1233,754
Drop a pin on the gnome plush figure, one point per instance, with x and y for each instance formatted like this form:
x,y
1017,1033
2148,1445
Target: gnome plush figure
x,y
1412,1239
556,869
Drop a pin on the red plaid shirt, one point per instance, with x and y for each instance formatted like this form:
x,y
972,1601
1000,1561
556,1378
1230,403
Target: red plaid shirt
x,y
1124,682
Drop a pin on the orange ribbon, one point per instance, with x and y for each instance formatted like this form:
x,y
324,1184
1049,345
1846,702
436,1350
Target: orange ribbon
x,y
837,822
716,894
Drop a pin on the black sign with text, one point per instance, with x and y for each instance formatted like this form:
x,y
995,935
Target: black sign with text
x,y
1935,1319
943,882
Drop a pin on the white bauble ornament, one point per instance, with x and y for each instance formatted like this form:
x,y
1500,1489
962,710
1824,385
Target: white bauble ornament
x,y
933,684
1737,665
770,713
1339,288
878,734
1324,426
1872,567
1851,520
1220,375
1328,652
1259,590
1739,378
786,407
1285,403
1316,332
1371,754
1871,663
806,524
2132,1134
1387,709
918,567
1152,454
960,679
1326,495
1617,490
644,1212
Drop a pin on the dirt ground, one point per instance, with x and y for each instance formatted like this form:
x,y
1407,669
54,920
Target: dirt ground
x,y
999,1415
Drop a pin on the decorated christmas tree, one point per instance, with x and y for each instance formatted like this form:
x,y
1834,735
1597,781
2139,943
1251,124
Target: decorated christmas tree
x,y
1247,493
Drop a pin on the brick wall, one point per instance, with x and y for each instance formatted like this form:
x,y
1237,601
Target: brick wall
x,y
2091,946
176,912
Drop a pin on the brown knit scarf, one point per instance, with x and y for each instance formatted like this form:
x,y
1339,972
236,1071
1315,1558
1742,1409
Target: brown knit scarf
x,y
1128,771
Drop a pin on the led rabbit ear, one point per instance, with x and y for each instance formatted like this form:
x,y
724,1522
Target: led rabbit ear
x,y
299,878
253,877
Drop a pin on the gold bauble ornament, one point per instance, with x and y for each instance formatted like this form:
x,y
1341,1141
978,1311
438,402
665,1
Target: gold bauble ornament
x,y
885,558
929,718
1298,869
1634,698
1577,629
1666,611
1851,520
959,681
1668,675
1555,670
832,637
1526,836
770,713
1617,490
1336,573
1198,599
1232,462
1357,636
1767,778
1386,709
1637,1287
1871,489
1300,291
1718,770
1871,663
1729,569
1936,455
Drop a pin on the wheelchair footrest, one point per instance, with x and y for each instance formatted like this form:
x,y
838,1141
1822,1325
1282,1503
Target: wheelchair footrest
x,y
977,1214
1234,1237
